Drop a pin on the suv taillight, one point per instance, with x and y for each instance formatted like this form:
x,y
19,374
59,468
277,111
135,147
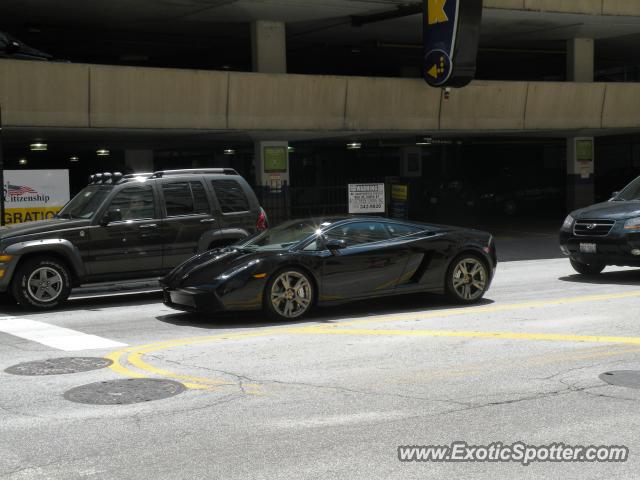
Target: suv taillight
x,y
262,223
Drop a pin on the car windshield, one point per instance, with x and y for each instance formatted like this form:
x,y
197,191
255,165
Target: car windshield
x,y
283,236
86,203
630,192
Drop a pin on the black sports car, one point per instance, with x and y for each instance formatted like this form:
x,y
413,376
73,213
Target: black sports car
x,y
288,269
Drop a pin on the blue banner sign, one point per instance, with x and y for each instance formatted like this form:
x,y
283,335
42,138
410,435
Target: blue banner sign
x,y
451,37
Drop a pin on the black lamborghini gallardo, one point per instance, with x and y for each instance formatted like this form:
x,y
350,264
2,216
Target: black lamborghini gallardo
x,y
289,269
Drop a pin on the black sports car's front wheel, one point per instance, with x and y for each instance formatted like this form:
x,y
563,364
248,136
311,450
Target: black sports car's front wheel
x,y
467,279
289,294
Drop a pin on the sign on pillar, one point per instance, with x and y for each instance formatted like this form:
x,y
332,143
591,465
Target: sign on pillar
x,y
272,165
581,157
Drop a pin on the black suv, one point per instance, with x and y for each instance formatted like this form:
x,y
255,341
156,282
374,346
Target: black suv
x,y
604,234
126,227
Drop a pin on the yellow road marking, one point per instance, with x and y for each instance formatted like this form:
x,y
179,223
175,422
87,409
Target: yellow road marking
x,y
548,337
133,355
454,312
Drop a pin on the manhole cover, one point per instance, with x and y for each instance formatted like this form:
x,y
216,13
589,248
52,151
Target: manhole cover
x,y
59,366
123,392
622,378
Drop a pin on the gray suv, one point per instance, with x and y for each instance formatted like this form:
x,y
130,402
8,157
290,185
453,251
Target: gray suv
x,y
126,227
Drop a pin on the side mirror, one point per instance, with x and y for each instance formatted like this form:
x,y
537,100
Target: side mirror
x,y
114,215
335,244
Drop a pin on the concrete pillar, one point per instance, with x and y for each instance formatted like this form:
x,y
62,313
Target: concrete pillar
x,y
580,60
580,150
272,164
580,170
269,46
138,161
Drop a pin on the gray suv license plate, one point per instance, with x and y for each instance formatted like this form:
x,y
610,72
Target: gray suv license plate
x,y
588,248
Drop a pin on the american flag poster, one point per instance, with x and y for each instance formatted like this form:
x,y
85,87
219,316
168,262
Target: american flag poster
x,y
34,195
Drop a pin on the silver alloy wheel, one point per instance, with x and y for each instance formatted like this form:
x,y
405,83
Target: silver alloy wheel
x,y
291,294
45,284
469,279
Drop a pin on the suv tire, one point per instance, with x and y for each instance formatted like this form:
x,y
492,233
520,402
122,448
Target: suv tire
x,y
587,269
42,283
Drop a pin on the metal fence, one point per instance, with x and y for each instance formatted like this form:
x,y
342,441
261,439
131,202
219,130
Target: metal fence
x,y
298,202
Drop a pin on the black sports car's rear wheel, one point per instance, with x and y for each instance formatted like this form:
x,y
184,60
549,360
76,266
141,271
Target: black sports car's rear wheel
x,y
468,279
289,294
587,269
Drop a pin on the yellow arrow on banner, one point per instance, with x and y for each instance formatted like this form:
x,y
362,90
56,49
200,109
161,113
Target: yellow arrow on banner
x,y
433,71
436,12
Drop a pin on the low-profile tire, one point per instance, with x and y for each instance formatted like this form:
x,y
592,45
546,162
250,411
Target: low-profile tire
x,y
587,268
41,283
289,294
467,279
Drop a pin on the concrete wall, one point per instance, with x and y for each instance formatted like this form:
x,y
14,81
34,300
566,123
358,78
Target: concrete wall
x,y
43,94
589,7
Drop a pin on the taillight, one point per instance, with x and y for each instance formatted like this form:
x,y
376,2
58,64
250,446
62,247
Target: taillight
x,y
262,223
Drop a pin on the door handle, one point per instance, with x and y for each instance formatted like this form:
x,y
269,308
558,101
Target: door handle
x,y
149,226
208,220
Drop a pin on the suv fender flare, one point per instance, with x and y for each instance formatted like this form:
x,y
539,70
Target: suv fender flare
x,y
218,235
62,247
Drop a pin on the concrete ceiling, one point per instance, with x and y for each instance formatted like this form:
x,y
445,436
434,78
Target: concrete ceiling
x,y
316,19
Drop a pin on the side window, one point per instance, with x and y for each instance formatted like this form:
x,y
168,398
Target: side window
x,y
178,199
230,195
200,200
359,233
135,203
398,230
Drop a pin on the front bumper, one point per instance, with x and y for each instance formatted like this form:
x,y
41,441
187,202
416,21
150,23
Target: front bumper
x,y
192,300
613,249
6,272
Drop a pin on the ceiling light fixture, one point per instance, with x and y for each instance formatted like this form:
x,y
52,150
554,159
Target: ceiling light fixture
x,y
354,146
38,147
22,161
229,151
103,152
74,159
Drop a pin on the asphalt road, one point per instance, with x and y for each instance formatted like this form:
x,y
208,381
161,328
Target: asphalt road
x,y
335,395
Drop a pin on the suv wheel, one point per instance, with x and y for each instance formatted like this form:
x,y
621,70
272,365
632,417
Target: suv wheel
x,y
587,269
43,283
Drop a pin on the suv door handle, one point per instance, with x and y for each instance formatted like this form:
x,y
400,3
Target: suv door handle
x,y
208,220
149,226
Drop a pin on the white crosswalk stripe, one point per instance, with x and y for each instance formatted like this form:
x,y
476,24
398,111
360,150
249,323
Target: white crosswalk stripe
x,y
53,336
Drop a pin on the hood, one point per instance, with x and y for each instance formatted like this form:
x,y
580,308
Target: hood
x,y
209,265
42,226
609,211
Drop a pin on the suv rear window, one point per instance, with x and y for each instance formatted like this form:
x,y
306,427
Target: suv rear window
x,y
231,196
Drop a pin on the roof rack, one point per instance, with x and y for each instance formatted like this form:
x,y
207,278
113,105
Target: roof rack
x,y
106,177
195,171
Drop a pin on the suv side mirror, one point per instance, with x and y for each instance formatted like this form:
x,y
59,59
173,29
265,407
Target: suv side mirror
x,y
114,215
335,244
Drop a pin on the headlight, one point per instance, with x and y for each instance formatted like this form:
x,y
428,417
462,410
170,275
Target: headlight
x,y
237,270
568,224
632,224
